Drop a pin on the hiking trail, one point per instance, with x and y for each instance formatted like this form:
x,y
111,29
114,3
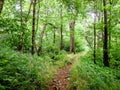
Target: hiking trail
x,y
61,81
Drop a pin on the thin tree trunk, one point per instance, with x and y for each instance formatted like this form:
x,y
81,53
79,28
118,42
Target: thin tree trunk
x,y
99,34
40,41
61,30
1,5
72,42
88,42
105,47
21,45
33,27
28,12
37,21
95,35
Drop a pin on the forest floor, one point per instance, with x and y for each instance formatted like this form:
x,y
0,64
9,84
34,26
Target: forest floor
x,y
61,81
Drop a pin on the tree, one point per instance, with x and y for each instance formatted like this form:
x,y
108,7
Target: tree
x,y
73,7
95,32
61,28
1,5
41,39
33,27
72,41
105,46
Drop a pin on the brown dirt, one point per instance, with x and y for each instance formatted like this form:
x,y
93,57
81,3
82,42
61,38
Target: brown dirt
x,y
61,79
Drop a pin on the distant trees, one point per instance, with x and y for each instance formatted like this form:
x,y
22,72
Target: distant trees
x,y
54,25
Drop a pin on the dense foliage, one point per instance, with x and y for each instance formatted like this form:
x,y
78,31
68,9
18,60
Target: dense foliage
x,y
37,35
85,75
22,71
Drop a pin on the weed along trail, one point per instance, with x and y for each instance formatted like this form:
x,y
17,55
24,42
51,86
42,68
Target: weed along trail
x,y
61,79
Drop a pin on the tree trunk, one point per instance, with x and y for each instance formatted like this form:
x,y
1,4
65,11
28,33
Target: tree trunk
x,y
105,46
88,42
94,35
72,42
26,20
40,41
1,5
20,47
61,30
33,27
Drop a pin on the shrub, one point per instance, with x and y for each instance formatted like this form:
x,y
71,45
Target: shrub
x,y
22,71
87,76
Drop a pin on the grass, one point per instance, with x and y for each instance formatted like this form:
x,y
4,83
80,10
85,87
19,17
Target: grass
x,y
87,76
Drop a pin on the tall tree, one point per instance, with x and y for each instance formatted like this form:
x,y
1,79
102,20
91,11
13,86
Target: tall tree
x,y
72,41
61,28
33,27
105,46
73,7
41,39
94,32
1,5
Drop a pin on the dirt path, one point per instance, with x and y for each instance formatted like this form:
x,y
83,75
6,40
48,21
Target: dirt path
x,y
61,80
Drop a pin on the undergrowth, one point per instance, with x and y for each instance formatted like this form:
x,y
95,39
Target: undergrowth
x,y
26,72
87,76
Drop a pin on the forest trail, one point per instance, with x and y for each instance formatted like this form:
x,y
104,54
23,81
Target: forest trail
x,y
61,79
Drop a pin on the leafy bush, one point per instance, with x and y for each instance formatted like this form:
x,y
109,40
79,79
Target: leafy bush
x,y
60,59
22,71
26,72
87,76
115,58
11,33
79,46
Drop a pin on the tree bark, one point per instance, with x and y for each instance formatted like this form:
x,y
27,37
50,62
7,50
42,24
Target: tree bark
x,y
105,46
40,41
20,47
28,12
61,30
42,34
33,27
1,5
94,35
89,42
72,42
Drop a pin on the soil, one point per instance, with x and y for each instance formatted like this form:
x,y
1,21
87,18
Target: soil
x,y
61,81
